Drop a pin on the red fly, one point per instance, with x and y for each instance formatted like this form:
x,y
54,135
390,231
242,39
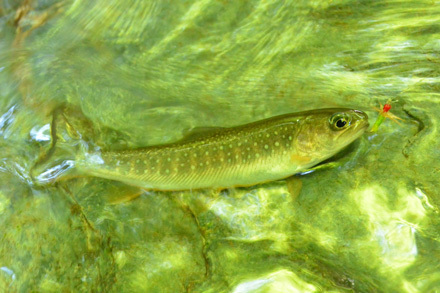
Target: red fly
x,y
383,114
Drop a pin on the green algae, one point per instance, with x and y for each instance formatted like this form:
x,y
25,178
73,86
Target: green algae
x,y
141,72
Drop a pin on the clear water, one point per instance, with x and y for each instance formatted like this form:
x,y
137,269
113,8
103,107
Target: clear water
x,y
141,72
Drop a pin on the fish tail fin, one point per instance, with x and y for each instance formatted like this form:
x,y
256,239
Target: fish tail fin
x,y
58,161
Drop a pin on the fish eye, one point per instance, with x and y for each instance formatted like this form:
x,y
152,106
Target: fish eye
x,y
339,121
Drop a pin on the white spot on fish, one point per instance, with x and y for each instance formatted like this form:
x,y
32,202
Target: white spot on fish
x,y
229,160
221,147
182,164
266,146
268,135
277,143
137,161
257,155
169,159
255,144
231,146
229,154
290,137
167,171
206,153
193,167
195,155
201,164
221,160
236,156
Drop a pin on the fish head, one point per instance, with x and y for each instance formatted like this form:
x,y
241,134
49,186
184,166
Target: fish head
x,y
327,131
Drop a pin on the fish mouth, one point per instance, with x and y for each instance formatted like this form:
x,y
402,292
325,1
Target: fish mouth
x,y
363,126
361,123
358,127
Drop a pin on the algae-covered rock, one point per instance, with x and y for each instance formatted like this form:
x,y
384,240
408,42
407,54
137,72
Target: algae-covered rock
x,y
135,73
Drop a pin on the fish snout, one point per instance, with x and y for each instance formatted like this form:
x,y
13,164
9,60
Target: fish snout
x,y
360,119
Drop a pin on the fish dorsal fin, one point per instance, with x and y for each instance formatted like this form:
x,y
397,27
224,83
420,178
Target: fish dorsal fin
x,y
196,132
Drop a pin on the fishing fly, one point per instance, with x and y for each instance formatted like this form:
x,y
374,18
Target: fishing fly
x,y
384,112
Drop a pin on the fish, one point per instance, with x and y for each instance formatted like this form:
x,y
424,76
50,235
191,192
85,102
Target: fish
x,y
267,150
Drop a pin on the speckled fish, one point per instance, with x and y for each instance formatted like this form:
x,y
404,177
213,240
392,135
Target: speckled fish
x,y
245,155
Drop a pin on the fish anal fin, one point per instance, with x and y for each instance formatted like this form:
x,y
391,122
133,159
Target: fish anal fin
x,y
121,193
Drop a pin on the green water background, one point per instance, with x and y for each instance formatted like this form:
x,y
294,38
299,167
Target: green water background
x,y
141,72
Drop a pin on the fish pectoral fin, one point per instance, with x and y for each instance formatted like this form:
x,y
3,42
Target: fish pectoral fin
x,y
300,159
294,186
196,132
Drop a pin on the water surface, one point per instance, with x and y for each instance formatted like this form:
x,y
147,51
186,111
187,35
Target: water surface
x,y
141,72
